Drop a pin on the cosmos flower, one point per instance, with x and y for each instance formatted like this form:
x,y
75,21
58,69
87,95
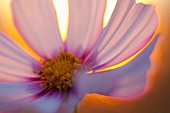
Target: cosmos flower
x,y
69,70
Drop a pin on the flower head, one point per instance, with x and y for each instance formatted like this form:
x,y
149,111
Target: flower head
x,y
69,70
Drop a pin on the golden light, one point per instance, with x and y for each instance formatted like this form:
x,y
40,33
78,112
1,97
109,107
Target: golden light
x,y
147,1
62,10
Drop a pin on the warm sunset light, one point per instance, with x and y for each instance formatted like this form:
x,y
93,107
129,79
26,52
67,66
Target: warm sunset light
x,y
147,1
100,62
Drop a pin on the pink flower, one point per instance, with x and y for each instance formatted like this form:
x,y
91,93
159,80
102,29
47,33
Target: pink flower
x,y
130,28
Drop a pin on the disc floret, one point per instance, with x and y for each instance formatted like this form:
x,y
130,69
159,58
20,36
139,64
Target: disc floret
x,y
59,72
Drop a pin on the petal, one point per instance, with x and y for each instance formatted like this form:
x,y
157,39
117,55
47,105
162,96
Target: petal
x,y
85,25
14,95
121,9
70,103
133,34
15,63
36,22
48,103
125,81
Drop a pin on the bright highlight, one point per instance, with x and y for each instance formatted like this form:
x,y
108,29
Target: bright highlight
x,y
109,9
62,10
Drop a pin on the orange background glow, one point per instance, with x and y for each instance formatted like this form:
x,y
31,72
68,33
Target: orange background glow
x,y
156,100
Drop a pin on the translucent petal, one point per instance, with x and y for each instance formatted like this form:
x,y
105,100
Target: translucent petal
x,y
85,25
134,33
121,9
37,23
128,31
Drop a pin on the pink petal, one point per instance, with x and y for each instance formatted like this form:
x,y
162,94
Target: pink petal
x,y
85,25
120,12
37,23
15,63
134,33
14,95
126,81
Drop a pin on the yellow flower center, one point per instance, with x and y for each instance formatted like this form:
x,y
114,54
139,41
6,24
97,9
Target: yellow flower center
x,y
59,72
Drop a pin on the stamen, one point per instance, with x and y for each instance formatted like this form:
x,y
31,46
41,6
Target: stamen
x,y
58,72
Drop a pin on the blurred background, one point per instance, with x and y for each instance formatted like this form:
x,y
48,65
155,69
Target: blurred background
x,y
157,98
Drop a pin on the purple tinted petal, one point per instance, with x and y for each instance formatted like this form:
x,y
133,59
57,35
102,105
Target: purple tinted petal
x,y
49,102
15,63
120,12
100,83
133,34
14,95
125,81
130,84
36,21
70,103
85,25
